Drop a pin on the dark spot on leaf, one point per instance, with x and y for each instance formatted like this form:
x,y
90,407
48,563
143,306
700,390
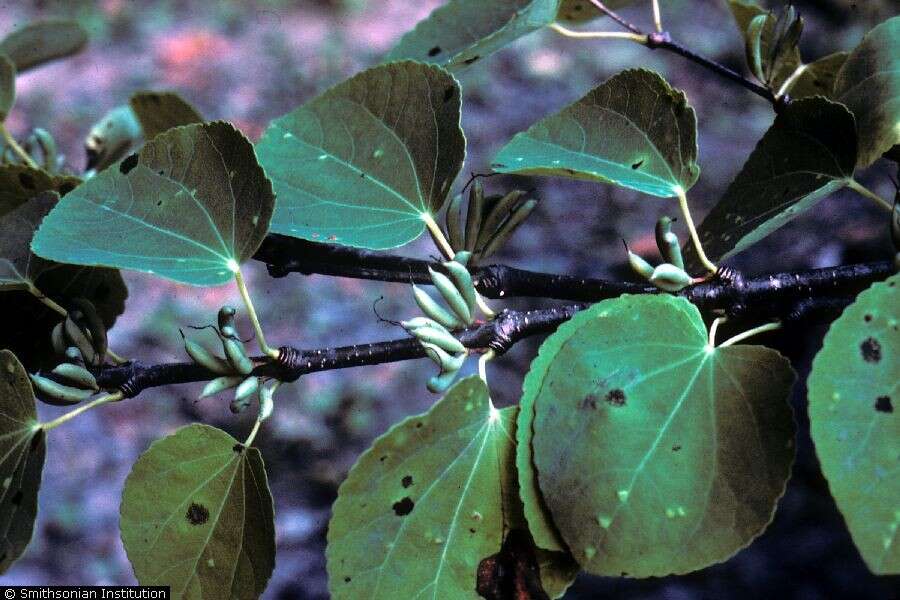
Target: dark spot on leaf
x,y
818,84
159,203
867,318
161,172
403,507
471,530
448,94
434,51
870,350
407,481
26,180
128,164
498,166
17,498
419,424
154,98
197,514
347,579
637,165
589,401
616,397
65,188
883,404
469,61
676,447
383,458
362,175
238,448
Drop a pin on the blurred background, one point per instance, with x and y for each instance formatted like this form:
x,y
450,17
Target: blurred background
x,y
251,61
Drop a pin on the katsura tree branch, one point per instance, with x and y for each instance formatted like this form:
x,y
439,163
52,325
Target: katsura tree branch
x,y
772,295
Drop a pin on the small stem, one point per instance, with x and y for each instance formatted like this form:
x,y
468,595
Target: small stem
x,y
615,17
864,191
657,19
790,80
253,433
114,397
245,295
686,211
47,301
16,148
751,332
621,35
713,329
482,364
438,236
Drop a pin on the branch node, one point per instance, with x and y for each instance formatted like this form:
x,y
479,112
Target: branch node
x,y
658,39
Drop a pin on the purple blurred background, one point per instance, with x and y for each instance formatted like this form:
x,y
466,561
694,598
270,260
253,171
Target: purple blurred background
x,y
249,62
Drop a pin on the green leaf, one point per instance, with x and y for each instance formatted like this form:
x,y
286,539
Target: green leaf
x,y
19,268
760,43
22,450
461,32
362,164
43,41
191,206
20,183
634,130
580,11
197,515
161,111
7,86
869,84
430,500
854,414
657,454
817,78
808,153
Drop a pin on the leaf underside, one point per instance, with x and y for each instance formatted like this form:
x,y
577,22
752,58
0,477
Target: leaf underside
x,y
854,413
7,86
362,163
197,515
633,130
160,111
655,454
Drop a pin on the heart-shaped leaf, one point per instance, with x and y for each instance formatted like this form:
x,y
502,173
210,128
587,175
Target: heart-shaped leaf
x,y
43,41
191,207
7,86
655,452
869,84
22,450
461,32
363,163
808,153
197,516
633,130
161,111
19,268
430,500
854,414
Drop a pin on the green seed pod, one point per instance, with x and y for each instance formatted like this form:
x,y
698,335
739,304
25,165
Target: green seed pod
x,y
243,393
47,144
443,359
452,222
473,216
451,295
57,394
670,278
639,265
220,384
226,317
205,358
462,257
462,279
77,337
497,215
77,376
57,339
439,338
73,355
266,401
234,351
667,242
434,310
512,223
417,322
439,383
94,325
